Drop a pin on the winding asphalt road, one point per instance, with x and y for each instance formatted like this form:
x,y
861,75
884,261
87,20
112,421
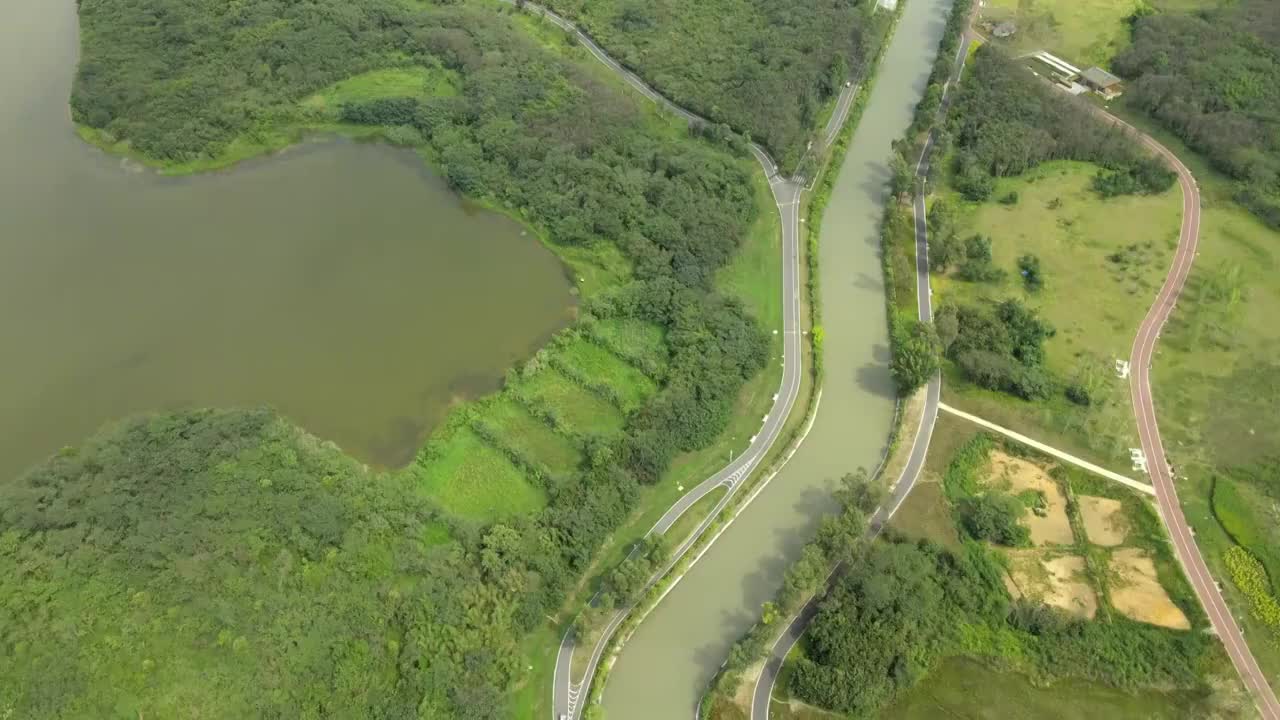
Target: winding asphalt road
x,y
567,694
763,692
1184,543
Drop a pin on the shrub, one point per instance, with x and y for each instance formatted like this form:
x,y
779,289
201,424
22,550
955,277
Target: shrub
x,y
1248,574
994,517
1079,394
1029,267
917,354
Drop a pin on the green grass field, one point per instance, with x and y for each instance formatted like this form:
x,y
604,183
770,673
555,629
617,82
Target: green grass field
x,y
392,82
1082,32
531,435
696,513
963,688
631,385
474,482
753,274
1214,378
1251,519
1103,261
583,411
925,515
635,339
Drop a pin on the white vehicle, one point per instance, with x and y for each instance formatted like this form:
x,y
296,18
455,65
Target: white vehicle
x,y
848,83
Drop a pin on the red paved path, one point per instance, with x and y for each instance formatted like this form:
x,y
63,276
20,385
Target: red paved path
x,y
1184,543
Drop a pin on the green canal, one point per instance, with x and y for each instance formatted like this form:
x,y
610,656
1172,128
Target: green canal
x,y
665,666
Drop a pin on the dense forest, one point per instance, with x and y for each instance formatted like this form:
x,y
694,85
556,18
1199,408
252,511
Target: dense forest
x,y
223,561
765,68
1213,79
522,127
1006,121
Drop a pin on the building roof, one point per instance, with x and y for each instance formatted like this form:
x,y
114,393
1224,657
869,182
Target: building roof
x,y
1005,29
1098,77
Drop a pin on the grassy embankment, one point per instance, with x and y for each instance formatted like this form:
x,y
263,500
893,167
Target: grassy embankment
x,y
1214,377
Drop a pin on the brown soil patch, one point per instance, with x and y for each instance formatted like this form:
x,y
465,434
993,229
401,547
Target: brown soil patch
x,y
1137,593
1060,582
746,690
1104,520
1019,475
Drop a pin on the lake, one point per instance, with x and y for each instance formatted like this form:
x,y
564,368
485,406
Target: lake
x,y
342,283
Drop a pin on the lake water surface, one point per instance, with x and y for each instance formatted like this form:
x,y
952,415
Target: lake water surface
x,y
341,283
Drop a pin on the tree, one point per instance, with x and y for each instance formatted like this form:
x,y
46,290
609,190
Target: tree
x,y
917,355
901,175
994,516
1029,267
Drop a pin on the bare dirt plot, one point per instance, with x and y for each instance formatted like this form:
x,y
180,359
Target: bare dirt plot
x,y
1060,582
1019,475
1137,593
1104,520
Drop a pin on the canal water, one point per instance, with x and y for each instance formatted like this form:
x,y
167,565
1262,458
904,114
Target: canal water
x,y
666,665
341,283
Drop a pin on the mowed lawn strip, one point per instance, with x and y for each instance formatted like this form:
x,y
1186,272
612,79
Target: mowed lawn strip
x,y
388,83
577,406
475,482
531,435
635,339
753,276
631,385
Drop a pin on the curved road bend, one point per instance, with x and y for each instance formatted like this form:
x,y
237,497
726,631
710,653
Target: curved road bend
x,y
763,693
786,193
1184,543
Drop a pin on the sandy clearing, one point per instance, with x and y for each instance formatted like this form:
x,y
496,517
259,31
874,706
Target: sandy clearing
x,y
1137,593
1060,582
1019,475
1104,520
